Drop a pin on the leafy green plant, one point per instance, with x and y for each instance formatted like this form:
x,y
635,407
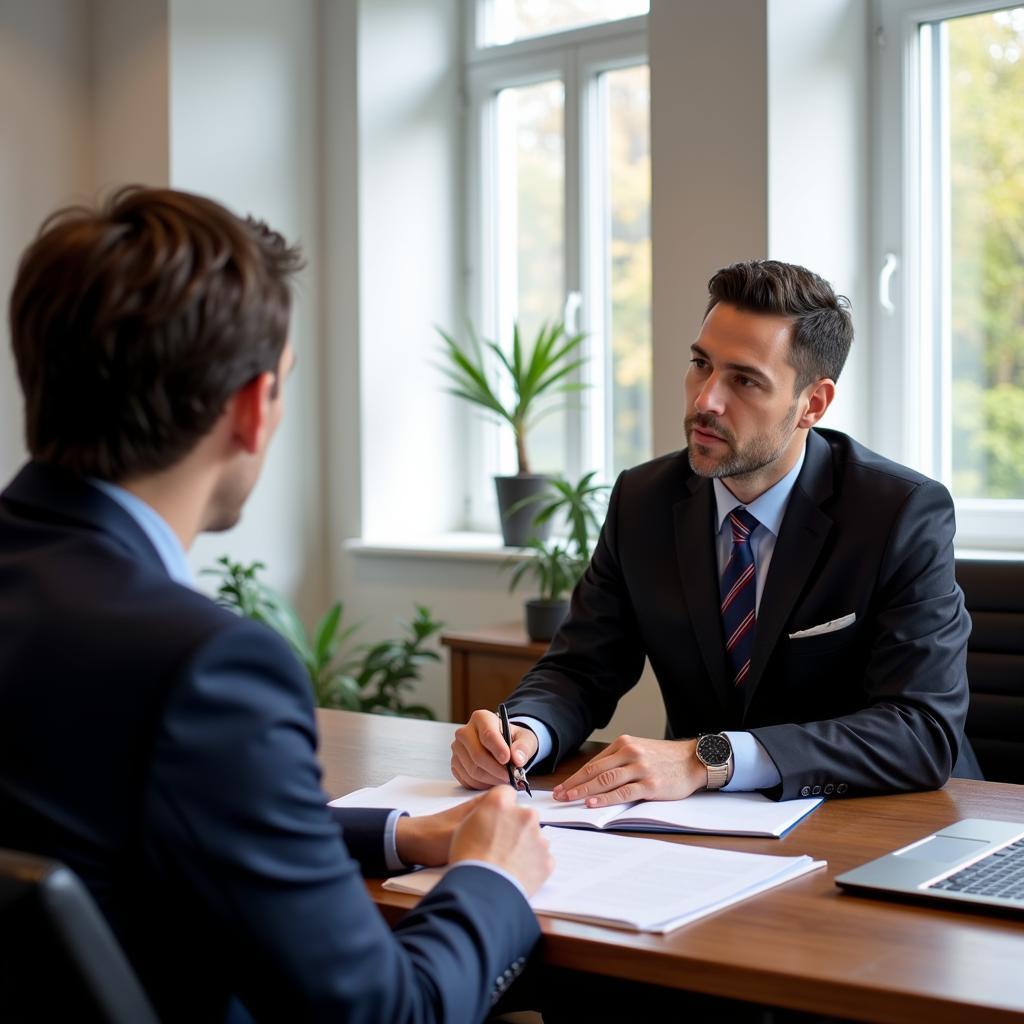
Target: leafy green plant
x,y
542,372
556,565
552,564
366,678
582,504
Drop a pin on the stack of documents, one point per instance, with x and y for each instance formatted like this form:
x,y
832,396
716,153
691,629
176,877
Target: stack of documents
x,y
737,814
639,884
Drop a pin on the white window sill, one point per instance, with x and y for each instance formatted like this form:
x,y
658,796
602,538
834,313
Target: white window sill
x,y
999,555
467,547
487,547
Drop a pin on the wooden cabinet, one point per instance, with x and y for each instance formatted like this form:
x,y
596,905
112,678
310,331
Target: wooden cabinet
x,y
486,665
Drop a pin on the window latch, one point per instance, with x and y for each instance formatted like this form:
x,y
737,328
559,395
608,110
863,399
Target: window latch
x,y
889,267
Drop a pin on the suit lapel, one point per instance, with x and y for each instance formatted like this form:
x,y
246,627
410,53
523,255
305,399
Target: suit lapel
x,y
801,536
694,518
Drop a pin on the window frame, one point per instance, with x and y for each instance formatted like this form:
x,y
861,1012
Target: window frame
x,y
577,57
913,388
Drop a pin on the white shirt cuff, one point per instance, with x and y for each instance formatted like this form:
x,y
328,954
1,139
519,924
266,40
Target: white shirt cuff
x,y
391,859
752,767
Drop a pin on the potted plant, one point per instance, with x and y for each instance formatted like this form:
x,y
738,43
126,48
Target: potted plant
x,y
556,569
367,678
531,377
557,565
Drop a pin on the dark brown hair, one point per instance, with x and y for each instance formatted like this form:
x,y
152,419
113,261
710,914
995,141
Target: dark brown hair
x,y
822,325
132,325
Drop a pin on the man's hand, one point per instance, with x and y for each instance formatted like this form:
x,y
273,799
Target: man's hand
x,y
479,754
636,769
427,839
502,832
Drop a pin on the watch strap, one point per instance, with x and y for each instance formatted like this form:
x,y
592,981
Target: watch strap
x,y
718,774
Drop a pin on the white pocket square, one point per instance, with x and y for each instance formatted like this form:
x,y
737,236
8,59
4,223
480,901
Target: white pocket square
x,y
826,627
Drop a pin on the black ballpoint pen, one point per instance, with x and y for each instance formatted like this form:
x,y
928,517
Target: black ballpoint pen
x,y
516,776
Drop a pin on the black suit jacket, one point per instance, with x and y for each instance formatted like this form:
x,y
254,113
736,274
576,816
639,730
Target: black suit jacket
x,y
164,749
876,707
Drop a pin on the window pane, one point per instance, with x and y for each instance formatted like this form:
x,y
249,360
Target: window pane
x,y
985,82
629,272
531,233
508,20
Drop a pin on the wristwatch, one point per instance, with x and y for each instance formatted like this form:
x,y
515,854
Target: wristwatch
x,y
714,751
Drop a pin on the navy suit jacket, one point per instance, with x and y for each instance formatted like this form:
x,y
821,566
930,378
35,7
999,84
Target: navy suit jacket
x,y
873,708
164,749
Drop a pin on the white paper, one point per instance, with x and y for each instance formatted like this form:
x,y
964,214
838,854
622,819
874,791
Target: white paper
x,y
417,796
712,813
639,884
740,814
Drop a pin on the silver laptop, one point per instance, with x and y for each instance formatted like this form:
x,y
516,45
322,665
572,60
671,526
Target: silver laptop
x,y
975,862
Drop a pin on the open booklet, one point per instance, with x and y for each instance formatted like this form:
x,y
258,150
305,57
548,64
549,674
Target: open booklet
x,y
735,814
639,884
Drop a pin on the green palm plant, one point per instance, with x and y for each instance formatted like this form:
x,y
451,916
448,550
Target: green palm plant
x,y
582,504
541,371
557,565
552,564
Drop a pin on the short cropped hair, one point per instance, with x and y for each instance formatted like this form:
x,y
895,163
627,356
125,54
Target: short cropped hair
x,y
133,324
822,325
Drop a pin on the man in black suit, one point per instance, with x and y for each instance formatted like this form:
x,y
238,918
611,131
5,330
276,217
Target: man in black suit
x,y
159,745
793,591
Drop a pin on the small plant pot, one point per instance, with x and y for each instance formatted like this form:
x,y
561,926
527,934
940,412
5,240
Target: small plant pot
x,y
518,528
544,617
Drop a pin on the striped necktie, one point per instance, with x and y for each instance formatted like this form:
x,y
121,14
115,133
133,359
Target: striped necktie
x,y
738,593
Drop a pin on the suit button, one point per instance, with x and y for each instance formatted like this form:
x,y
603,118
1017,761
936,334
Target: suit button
x,y
806,791
841,788
829,788
816,791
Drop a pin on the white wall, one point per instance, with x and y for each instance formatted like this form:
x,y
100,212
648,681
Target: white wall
x,y
818,168
410,188
244,129
392,255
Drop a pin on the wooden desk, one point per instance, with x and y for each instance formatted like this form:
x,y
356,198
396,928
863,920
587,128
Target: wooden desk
x,y
804,945
486,665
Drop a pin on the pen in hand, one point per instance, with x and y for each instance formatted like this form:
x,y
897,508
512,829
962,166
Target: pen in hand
x,y
516,776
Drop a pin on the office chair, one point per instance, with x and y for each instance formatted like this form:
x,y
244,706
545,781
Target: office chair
x,y
994,594
59,959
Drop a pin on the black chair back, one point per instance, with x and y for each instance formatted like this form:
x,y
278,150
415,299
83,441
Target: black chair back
x,y
994,593
59,959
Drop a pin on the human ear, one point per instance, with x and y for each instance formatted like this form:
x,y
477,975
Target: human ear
x,y
250,411
818,401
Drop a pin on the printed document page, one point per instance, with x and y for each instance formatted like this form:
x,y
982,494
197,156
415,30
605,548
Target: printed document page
x,y
640,884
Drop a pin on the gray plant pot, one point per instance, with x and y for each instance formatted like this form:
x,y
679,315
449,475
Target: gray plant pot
x,y
544,617
518,528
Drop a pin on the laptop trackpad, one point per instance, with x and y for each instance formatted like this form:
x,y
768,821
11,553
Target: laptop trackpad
x,y
943,849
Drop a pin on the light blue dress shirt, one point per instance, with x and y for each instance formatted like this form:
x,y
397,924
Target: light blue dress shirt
x,y
156,528
752,767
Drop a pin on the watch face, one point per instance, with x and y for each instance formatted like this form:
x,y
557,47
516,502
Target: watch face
x,y
714,749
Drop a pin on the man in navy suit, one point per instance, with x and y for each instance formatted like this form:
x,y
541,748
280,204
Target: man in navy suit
x,y
793,591
157,744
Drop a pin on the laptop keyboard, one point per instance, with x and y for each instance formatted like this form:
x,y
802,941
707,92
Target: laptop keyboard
x,y
999,874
